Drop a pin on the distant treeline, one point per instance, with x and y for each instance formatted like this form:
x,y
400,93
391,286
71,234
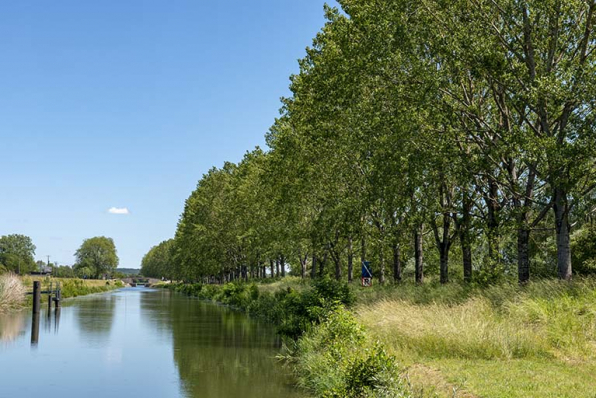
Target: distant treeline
x,y
453,138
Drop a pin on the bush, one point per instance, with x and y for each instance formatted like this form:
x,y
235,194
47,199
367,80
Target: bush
x,y
332,360
77,287
291,310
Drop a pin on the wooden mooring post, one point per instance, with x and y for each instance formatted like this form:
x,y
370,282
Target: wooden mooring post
x,y
36,305
50,299
36,296
58,295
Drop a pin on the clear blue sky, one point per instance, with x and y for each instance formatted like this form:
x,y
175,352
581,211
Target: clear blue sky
x,y
127,103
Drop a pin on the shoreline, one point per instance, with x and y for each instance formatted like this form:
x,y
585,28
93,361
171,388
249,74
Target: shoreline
x,y
71,288
443,340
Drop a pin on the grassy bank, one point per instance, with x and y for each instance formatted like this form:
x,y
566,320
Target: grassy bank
x,y
14,289
444,341
73,287
502,341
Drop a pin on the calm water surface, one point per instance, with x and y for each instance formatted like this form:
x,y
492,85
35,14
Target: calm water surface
x,y
140,342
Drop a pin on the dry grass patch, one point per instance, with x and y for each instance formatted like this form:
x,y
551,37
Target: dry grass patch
x,y
428,382
469,330
12,292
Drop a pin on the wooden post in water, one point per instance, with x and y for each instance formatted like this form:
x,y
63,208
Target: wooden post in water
x,y
36,304
50,299
36,296
58,296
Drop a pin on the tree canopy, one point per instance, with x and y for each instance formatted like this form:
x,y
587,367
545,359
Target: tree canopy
x,y
157,262
96,257
17,253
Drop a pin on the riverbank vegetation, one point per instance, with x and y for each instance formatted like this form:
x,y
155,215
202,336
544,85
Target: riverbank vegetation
x,y
328,349
72,287
535,340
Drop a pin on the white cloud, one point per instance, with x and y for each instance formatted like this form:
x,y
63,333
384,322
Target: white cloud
x,y
118,210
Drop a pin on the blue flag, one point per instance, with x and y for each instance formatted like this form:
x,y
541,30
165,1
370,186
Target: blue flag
x,y
366,272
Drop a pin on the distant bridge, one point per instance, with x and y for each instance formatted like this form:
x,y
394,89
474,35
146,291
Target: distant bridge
x,y
140,281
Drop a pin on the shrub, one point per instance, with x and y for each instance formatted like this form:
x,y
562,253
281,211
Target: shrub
x,y
332,360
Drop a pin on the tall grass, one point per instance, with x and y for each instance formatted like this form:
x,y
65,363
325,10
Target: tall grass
x,y
12,292
544,319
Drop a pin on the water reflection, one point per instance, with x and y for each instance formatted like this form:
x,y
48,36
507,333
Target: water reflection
x,y
219,352
35,329
95,316
115,343
57,312
12,325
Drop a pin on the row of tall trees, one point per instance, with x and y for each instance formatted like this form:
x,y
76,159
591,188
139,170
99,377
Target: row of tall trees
x,y
416,129
157,262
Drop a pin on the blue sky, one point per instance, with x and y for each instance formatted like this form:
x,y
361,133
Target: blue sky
x,y
127,103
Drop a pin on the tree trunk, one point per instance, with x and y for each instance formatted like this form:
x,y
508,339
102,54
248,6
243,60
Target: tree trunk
x,y
464,238
563,230
303,266
282,264
313,270
523,256
493,207
381,266
322,264
397,271
443,244
277,268
362,250
418,254
337,262
350,260
444,262
272,268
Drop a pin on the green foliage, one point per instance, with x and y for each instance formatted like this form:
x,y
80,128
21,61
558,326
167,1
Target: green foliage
x,y
63,271
78,287
583,247
335,359
16,253
293,311
96,256
157,263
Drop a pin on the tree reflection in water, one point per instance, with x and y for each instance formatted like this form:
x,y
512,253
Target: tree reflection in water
x,y
95,316
219,352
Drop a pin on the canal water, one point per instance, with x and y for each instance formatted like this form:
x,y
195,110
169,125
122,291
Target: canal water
x,y
140,342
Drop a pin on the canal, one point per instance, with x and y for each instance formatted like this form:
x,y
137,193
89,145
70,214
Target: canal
x,y
140,342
